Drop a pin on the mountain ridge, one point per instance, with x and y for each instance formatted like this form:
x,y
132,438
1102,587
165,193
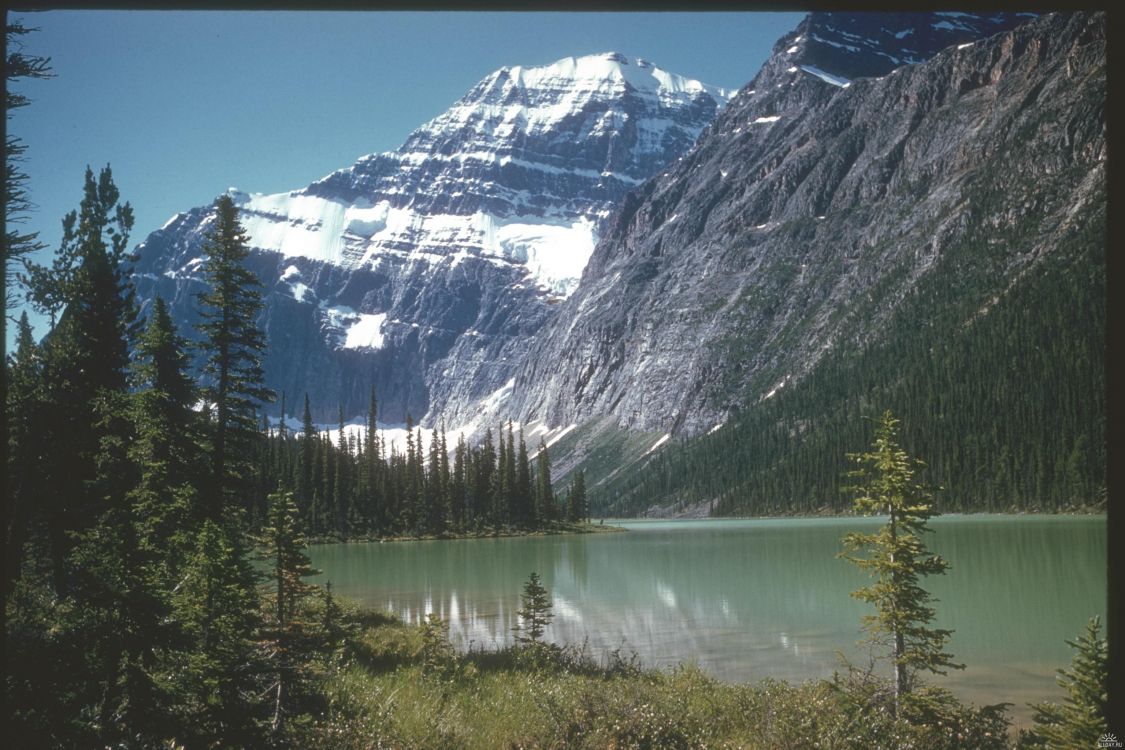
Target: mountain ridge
x,y
423,271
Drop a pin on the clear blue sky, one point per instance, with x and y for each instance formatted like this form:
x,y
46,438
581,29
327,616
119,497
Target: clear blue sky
x,y
183,105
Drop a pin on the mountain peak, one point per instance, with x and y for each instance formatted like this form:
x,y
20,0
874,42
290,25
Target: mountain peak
x,y
611,68
851,45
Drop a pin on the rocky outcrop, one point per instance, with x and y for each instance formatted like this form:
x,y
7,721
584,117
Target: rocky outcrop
x,y
813,206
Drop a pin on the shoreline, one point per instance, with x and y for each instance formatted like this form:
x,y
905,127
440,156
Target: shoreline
x,y
559,530
687,515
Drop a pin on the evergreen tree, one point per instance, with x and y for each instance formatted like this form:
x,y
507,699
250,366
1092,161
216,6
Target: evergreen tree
x,y
510,502
484,467
412,485
306,467
500,490
17,202
234,346
373,508
85,360
458,484
26,451
524,501
1083,718
289,637
166,448
17,245
437,495
534,612
544,495
218,678
897,557
576,498
342,489
133,557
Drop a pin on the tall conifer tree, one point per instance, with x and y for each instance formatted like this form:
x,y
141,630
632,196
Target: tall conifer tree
x,y
234,345
544,495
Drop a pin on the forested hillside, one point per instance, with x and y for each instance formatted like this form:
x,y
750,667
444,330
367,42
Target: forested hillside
x,y
1003,396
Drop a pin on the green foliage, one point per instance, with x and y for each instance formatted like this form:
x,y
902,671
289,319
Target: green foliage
x,y
17,200
534,612
1000,385
360,488
234,346
288,638
897,558
438,656
166,448
1083,717
502,699
217,679
576,498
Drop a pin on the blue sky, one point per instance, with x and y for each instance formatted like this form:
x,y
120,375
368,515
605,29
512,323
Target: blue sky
x,y
183,105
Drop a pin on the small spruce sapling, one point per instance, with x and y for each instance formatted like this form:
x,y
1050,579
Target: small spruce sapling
x,y
1082,719
534,613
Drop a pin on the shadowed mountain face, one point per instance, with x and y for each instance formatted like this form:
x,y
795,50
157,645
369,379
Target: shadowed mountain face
x,y
428,270
818,201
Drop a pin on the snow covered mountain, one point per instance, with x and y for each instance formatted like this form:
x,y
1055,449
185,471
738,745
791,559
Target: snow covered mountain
x,y
426,271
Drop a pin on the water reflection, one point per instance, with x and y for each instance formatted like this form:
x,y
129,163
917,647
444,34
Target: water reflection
x,y
750,599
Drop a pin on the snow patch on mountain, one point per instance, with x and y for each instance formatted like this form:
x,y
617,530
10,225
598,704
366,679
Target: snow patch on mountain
x,y
827,77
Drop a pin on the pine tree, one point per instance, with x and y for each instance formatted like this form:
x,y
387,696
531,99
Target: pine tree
x,y
17,201
484,467
218,677
17,245
85,356
306,468
458,484
534,612
1083,718
234,345
342,481
167,445
289,637
576,498
524,501
510,503
372,507
544,495
500,491
26,451
897,557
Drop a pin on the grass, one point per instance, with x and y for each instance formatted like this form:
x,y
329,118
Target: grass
x,y
385,691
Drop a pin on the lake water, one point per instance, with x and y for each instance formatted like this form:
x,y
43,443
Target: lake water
x,y
747,599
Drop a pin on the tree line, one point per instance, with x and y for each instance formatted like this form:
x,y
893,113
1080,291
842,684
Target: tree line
x,y
361,484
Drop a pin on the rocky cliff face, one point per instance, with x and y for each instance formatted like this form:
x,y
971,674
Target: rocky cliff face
x,y
428,271
814,204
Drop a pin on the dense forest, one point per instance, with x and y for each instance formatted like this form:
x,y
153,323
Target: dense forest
x,y
359,485
1004,394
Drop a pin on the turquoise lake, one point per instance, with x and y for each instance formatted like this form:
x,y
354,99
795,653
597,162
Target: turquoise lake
x,y
748,599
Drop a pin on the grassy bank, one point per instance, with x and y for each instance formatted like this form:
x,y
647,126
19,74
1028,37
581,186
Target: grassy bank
x,y
399,686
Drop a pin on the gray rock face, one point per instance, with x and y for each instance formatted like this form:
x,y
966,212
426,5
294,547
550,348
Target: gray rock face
x,y
811,208
427,271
